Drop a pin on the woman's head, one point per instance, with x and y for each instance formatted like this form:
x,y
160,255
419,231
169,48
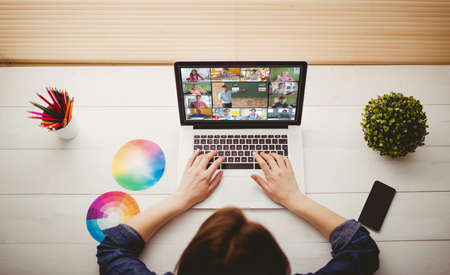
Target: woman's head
x,y
193,72
228,243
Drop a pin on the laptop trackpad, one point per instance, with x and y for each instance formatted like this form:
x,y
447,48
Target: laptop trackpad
x,y
243,191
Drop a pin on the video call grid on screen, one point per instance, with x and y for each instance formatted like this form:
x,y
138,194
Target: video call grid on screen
x,y
240,93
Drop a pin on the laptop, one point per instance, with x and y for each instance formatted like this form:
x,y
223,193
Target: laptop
x,y
237,108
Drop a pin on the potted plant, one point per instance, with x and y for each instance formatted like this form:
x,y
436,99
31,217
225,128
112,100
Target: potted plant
x,y
394,124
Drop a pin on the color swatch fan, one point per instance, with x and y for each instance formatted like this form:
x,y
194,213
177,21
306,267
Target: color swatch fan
x,y
138,164
109,210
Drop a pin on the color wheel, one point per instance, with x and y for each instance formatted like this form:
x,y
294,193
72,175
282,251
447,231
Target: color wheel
x,y
109,210
138,164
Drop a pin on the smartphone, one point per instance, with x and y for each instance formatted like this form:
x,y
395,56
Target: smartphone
x,y
377,205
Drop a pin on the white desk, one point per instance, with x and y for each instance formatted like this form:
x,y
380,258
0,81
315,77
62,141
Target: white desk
x,y
43,227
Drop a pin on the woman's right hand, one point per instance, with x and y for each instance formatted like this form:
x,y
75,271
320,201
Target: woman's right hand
x,y
279,184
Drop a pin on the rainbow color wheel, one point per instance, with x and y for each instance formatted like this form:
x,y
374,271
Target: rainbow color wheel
x,y
138,164
109,210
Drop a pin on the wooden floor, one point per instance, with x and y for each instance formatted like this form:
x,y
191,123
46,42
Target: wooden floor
x,y
43,227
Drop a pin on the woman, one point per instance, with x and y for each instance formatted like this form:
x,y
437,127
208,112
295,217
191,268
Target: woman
x,y
227,242
194,76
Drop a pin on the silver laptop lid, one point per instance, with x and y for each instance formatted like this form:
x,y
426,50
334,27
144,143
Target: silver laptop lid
x,y
240,94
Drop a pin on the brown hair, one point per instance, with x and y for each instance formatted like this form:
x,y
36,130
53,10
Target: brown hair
x,y
228,243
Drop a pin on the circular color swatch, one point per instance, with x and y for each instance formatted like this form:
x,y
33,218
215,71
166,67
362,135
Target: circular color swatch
x,y
109,210
138,164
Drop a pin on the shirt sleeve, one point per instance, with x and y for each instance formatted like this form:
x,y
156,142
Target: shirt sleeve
x,y
354,251
118,253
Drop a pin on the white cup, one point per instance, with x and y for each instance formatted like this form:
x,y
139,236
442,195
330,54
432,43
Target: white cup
x,y
68,132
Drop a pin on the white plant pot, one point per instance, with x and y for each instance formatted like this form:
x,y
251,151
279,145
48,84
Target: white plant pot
x,y
68,132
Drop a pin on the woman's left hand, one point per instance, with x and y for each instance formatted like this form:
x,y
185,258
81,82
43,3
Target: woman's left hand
x,y
197,182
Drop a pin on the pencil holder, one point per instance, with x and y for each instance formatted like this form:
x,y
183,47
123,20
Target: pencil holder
x,y
56,114
68,132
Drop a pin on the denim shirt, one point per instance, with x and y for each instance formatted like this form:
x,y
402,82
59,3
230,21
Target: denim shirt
x,y
354,252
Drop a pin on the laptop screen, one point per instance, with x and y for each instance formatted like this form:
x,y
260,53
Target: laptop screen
x,y
240,92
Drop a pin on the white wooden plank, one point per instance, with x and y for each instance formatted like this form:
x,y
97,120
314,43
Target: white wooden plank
x,y
99,128
355,85
91,86
336,156
421,258
331,170
74,171
439,125
396,258
155,85
323,127
88,171
409,218
339,127
50,218
61,219
44,259
410,214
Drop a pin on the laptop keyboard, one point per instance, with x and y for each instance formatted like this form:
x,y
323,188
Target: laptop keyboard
x,y
238,149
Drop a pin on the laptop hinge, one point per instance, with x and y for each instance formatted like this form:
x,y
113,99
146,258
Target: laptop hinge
x,y
236,126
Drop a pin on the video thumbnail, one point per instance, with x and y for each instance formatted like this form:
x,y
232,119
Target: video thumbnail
x,y
227,114
289,101
255,74
198,113
283,88
239,94
285,74
195,74
199,88
281,114
225,74
197,101
254,113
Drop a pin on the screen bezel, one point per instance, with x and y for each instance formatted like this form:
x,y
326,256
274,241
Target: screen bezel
x,y
241,123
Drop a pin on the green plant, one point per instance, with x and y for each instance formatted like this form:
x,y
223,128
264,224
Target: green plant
x,y
394,124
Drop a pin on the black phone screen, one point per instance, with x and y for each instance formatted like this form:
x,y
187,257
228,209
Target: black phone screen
x,y
377,205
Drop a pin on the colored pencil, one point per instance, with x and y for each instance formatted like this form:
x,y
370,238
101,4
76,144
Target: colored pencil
x,y
53,97
43,98
58,112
